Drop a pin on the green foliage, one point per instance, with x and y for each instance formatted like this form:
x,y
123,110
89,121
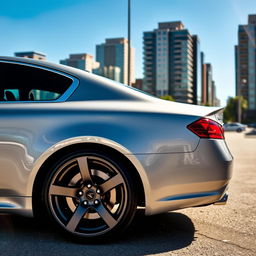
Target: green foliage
x,y
231,110
167,97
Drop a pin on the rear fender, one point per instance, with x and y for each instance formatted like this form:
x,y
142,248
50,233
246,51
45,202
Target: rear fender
x,y
96,140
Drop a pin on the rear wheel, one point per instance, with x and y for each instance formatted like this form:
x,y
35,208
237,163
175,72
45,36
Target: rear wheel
x,y
89,195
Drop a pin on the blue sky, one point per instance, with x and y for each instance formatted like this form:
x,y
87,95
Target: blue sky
x,y
60,27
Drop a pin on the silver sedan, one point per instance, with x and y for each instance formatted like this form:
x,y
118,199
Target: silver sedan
x,y
86,151
234,127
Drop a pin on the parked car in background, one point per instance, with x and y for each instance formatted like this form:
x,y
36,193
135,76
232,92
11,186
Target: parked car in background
x,y
237,127
252,125
86,151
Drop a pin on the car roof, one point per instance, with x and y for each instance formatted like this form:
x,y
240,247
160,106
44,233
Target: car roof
x,y
108,88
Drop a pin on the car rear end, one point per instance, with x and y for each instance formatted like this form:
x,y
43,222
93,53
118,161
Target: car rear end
x,y
196,178
211,133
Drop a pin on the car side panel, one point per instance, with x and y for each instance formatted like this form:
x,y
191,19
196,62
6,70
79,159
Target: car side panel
x,y
26,133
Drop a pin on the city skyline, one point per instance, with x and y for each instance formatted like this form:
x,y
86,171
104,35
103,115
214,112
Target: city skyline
x,y
57,30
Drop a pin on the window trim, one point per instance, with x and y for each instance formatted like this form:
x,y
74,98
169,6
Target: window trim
x,y
64,97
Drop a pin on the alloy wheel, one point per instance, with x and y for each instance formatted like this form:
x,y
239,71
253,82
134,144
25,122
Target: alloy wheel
x,y
87,195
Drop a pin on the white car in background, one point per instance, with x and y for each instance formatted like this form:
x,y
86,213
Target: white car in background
x,y
234,127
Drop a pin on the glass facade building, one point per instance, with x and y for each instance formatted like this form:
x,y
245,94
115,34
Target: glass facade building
x,y
113,55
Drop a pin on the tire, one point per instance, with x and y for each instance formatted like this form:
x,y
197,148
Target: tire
x,y
89,195
239,130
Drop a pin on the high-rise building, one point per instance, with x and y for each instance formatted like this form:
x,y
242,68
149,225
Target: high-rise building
x,y
209,95
82,61
172,62
245,60
215,100
208,88
114,53
203,81
31,55
110,72
149,62
197,69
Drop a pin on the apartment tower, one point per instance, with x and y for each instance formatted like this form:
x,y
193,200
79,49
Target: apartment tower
x,y
245,61
171,62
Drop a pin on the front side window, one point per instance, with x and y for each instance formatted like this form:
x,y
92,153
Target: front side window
x,y
20,82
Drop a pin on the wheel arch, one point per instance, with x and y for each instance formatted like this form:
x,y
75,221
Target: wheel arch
x,y
119,152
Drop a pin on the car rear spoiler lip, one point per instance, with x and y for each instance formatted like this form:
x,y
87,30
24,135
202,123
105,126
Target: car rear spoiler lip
x,y
216,111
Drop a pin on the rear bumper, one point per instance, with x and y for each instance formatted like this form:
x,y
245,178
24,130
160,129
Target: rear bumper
x,y
182,180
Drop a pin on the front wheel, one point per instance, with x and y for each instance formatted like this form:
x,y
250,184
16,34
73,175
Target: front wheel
x,y
89,195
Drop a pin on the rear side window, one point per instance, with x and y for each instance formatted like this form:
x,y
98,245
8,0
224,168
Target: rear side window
x,y
26,83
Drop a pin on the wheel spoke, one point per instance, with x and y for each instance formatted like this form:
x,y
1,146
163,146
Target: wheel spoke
x,y
106,215
84,169
62,191
75,219
111,183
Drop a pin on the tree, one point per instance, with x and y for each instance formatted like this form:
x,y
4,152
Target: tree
x,y
230,112
167,97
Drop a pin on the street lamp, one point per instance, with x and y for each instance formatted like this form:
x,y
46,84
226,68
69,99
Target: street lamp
x,y
129,43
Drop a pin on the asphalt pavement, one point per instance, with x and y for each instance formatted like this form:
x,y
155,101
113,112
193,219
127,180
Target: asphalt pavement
x,y
212,230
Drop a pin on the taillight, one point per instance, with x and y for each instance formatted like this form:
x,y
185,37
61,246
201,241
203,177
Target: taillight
x,y
207,128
